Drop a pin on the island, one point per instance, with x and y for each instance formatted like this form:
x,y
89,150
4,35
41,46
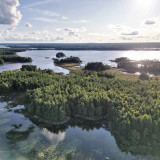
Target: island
x,y
132,66
60,55
10,56
67,60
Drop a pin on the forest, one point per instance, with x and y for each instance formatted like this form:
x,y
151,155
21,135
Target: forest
x,y
55,98
10,56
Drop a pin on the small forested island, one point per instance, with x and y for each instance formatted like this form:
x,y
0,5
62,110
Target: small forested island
x,y
67,60
60,55
9,56
147,66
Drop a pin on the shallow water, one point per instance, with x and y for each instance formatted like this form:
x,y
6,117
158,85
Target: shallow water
x,y
43,58
22,138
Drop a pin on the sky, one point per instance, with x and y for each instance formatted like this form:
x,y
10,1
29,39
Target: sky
x,y
79,21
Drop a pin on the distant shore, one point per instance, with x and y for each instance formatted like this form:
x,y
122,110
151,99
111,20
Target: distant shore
x,y
154,46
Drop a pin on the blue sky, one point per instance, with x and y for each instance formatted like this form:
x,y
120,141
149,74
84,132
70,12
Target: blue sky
x,y
79,21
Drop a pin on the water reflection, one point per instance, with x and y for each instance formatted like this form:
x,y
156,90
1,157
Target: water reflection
x,y
53,138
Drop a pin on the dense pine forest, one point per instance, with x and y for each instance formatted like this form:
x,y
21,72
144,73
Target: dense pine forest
x,y
87,94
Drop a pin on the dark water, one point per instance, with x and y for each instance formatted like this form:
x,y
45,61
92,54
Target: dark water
x,y
23,138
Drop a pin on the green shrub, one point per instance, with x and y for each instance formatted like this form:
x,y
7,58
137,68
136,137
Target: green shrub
x,y
1,61
105,74
96,66
28,68
144,76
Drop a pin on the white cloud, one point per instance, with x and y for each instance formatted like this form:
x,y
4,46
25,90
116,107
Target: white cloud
x,y
59,38
47,13
123,30
63,17
44,19
126,38
96,34
28,25
118,27
72,34
133,33
8,12
81,21
38,3
11,29
82,29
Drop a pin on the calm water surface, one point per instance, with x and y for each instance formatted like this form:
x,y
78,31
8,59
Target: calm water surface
x,y
24,139
43,58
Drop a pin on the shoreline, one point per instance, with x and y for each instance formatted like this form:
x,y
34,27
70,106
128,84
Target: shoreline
x,y
40,120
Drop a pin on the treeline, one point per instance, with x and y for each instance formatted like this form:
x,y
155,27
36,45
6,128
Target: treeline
x,y
96,66
56,97
13,59
10,51
8,55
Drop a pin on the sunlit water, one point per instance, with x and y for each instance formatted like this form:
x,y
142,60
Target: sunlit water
x,y
21,139
43,58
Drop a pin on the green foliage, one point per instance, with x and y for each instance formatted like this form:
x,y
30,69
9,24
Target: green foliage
x,y
1,61
105,74
28,68
144,76
9,55
150,66
117,60
57,97
128,66
15,58
96,66
67,60
10,51
60,54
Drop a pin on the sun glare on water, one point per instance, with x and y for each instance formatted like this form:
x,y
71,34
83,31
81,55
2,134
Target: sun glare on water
x,y
141,55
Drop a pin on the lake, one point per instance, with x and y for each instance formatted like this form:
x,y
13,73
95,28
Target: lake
x,y
43,58
22,138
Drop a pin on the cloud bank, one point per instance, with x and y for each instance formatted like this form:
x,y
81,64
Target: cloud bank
x,y
9,14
